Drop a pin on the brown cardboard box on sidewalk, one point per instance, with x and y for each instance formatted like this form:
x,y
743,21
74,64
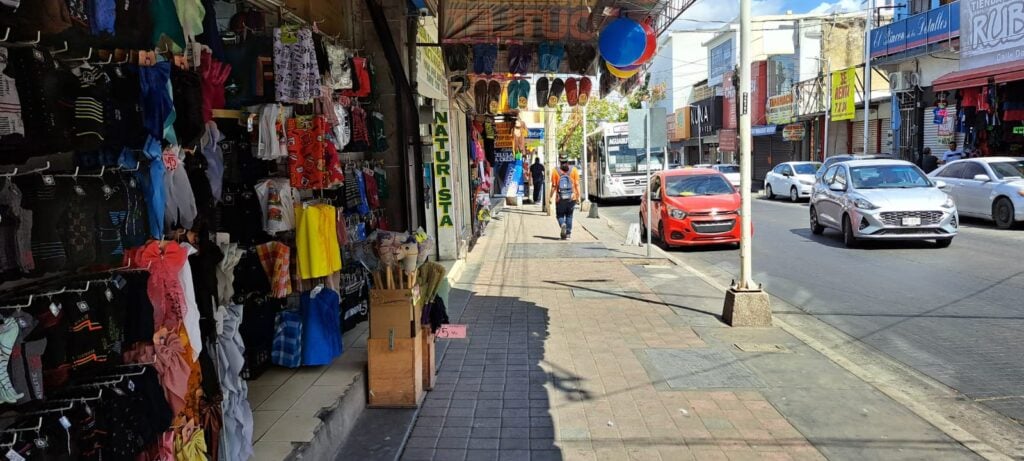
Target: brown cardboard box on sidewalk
x,y
395,312
395,369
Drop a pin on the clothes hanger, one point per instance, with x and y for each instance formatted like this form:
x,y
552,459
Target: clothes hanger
x,y
37,170
19,306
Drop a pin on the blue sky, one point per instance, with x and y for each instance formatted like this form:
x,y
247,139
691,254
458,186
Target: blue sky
x,y
717,10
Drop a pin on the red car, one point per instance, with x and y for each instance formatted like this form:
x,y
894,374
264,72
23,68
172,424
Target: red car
x,y
692,206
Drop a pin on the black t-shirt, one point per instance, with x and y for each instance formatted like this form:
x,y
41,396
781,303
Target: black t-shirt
x,y
78,224
47,198
122,110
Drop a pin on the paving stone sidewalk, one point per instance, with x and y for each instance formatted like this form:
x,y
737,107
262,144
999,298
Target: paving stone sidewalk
x,y
583,350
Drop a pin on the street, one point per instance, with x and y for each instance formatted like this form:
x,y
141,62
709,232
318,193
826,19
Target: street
x,y
953,314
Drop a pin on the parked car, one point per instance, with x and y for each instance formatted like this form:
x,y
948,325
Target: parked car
x,y
832,160
988,188
882,199
730,171
691,206
794,179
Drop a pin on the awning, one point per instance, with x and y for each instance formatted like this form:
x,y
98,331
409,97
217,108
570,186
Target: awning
x,y
996,73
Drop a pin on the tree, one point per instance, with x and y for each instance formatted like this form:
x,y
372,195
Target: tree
x,y
598,110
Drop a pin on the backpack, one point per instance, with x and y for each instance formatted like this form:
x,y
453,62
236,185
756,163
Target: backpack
x,y
565,185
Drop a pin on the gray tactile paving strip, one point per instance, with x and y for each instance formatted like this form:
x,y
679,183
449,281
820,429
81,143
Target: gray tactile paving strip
x,y
699,368
556,250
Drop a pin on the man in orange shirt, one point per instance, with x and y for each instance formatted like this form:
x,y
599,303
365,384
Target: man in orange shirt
x,y
565,192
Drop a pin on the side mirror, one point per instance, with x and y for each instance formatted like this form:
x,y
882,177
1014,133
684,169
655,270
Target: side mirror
x,y
837,187
655,197
982,178
942,184
787,174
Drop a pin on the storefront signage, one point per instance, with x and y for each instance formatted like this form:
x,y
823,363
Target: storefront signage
x,y
520,20
932,26
682,116
535,133
721,61
727,141
442,170
503,139
430,77
706,116
993,32
843,107
793,132
728,102
763,130
780,109
758,91
1018,130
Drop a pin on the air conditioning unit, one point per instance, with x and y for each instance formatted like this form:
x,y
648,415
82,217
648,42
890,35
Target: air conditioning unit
x,y
902,82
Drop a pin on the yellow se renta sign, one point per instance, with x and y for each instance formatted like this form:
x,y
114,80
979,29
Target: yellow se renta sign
x,y
442,170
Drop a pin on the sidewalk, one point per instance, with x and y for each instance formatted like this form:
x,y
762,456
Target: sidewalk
x,y
589,350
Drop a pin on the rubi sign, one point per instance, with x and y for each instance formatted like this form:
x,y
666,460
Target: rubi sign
x,y
993,32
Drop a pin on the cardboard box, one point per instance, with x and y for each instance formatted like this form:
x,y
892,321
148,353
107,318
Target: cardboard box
x,y
395,369
395,313
429,358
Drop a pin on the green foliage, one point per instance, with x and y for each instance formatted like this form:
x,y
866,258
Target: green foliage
x,y
598,110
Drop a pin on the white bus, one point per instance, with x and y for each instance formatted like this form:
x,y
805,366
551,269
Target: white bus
x,y
616,170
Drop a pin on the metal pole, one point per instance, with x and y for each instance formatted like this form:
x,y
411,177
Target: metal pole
x,y
867,74
745,282
700,137
828,108
550,156
647,145
586,181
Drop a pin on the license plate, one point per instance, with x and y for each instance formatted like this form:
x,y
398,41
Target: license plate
x,y
912,221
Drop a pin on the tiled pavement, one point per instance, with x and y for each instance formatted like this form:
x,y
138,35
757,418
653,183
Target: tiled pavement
x,y
547,375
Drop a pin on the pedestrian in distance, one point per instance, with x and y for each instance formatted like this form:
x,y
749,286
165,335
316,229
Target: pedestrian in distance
x,y
928,161
952,153
565,192
537,174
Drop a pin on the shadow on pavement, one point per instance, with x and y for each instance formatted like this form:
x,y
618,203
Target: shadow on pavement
x,y
490,401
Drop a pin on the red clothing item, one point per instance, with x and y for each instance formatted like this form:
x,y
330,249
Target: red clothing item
x,y
362,70
372,193
307,163
164,288
969,97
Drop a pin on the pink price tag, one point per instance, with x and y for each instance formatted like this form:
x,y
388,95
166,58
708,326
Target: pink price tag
x,y
452,331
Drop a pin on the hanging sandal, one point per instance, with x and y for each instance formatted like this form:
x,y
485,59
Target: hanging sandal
x,y
494,97
556,92
572,92
542,92
585,88
524,94
480,96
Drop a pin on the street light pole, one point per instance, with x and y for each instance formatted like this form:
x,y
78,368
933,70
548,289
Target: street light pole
x,y
586,182
745,303
647,146
867,74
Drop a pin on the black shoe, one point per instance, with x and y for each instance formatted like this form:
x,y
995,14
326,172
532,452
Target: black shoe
x,y
564,234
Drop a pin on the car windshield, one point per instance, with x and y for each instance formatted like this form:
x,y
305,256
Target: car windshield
x,y
1004,170
806,168
888,177
728,168
690,185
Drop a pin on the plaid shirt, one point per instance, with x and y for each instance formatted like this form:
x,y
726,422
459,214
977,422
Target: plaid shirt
x,y
276,260
287,348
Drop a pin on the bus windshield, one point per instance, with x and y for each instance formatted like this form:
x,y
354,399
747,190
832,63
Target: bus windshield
x,y
623,159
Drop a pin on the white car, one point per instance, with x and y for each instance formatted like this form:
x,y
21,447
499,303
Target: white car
x,y
792,179
730,171
988,188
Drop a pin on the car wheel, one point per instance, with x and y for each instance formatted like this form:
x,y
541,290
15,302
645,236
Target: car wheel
x,y
849,239
816,228
943,243
794,196
1002,213
768,191
661,238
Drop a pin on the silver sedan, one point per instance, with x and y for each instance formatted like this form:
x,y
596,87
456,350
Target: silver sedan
x,y
882,199
988,188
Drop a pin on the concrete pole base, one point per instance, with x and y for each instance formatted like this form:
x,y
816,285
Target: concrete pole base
x,y
747,308
593,211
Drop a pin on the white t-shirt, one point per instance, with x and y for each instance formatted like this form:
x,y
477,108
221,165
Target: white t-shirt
x,y
10,105
277,200
951,155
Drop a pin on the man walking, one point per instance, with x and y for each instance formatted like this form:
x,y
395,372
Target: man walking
x,y
537,174
565,192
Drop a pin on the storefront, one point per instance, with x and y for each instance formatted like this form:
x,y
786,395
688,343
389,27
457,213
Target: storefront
x,y
195,207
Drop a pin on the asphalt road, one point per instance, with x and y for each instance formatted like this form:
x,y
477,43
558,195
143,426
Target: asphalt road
x,y
955,314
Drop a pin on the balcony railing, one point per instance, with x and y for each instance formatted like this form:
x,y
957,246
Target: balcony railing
x,y
917,32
